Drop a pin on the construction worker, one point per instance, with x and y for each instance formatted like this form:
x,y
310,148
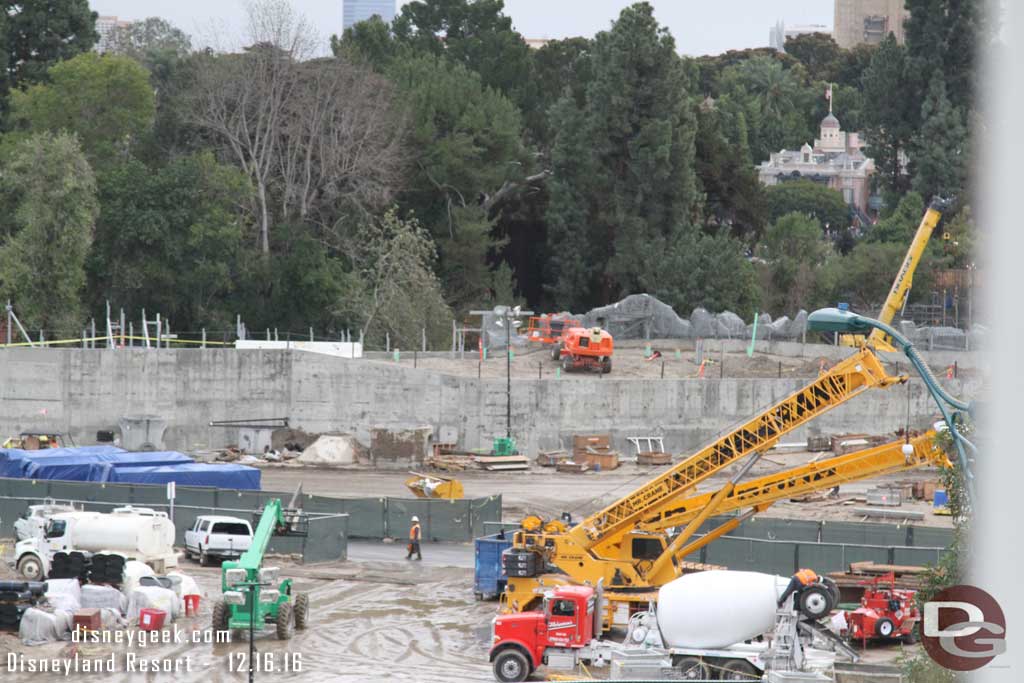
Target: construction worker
x,y
415,534
801,580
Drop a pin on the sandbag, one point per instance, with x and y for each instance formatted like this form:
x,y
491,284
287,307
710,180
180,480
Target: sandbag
x,y
133,571
38,627
153,597
188,585
104,596
64,594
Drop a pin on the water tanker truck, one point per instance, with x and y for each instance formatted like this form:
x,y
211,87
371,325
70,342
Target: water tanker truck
x,y
706,626
137,534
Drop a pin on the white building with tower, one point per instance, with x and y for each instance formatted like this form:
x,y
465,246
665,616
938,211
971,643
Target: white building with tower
x,y
836,160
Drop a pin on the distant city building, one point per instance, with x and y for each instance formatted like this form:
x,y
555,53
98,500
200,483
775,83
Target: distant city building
x,y
777,34
536,43
354,11
105,27
836,160
868,21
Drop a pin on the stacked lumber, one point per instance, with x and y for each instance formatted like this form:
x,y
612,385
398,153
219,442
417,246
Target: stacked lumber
x,y
910,577
450,462
502,463
551,458
572,467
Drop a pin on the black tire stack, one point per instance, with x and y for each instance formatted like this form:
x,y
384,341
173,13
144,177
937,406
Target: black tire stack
x,y
107,569
15,598
73,565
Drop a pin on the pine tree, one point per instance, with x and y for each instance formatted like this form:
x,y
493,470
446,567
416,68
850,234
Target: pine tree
x,y
624,186
888,119
939,153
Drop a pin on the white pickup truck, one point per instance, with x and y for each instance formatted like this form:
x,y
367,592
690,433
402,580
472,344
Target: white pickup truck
x,y
224,538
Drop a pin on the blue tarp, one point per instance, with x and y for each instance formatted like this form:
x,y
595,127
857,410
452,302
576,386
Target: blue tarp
x,y
80,466
14,461
223,475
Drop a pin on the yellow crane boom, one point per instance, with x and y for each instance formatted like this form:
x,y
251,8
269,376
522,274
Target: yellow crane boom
x,y
900,289
760,493
626,545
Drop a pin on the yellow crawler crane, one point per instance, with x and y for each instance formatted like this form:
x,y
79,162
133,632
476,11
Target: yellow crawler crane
x,y
627,545
904,280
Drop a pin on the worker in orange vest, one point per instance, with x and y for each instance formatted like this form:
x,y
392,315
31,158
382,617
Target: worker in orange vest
x,y
801,580
414,539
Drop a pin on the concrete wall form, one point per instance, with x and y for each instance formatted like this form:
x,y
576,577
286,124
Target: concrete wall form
x,y
80,391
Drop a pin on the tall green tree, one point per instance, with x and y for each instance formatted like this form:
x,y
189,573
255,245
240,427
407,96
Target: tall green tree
x,y
170,240
819,54
888,120
106,100
474,33
901,224
558,68
939,154
624,189
45,238
466,144
796,253
810,199
39,33
774,101
400,296
734,199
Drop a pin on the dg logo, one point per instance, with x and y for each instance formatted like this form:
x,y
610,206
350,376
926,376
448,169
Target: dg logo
x,y
963,628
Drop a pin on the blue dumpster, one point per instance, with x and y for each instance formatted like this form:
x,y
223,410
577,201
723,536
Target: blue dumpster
x,y
489,574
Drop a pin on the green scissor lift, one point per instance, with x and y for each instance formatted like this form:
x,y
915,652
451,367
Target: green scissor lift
x,y
250,598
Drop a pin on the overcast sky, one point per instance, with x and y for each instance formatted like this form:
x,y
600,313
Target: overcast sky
x,y
699,26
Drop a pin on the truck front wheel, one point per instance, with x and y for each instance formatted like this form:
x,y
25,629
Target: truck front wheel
x,y
510,666
31,567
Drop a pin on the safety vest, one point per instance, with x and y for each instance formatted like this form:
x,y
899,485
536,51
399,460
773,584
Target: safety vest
x,y
806,576
414,532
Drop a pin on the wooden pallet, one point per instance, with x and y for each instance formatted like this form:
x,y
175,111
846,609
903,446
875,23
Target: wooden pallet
x,y
653,458
572,467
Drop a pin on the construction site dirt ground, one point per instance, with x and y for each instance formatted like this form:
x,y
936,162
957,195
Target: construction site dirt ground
x,y
372,618
543,491
678,360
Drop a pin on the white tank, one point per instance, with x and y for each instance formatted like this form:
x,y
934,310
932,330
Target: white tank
x,y
142,536
714,609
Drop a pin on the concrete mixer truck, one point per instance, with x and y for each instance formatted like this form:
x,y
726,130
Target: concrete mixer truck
x,y
136,533
706,626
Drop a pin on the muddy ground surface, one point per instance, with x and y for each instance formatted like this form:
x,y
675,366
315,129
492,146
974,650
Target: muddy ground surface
x,y
678,360
543,491
373,618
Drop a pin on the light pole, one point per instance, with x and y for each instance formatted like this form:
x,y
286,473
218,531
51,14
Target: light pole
x,y
506,317
837,320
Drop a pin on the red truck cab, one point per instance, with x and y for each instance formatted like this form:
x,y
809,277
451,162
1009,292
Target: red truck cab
x,y
525,641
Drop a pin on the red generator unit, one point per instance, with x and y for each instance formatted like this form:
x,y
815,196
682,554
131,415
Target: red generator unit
x,y
885,612
586,349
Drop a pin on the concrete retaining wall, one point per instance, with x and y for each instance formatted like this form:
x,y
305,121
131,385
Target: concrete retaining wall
x,y
80,391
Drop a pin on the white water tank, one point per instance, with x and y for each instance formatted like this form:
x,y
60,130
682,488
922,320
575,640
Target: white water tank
x,y
715,609
135,535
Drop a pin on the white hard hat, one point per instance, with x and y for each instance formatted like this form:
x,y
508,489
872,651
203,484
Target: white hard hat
x,y
415,518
